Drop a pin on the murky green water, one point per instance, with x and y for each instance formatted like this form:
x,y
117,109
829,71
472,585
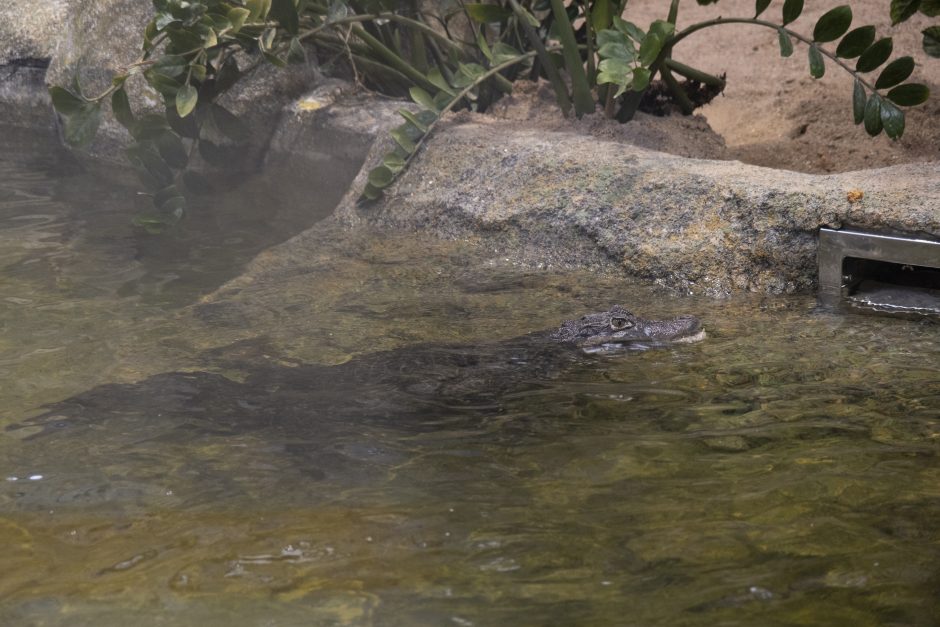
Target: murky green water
x,y
360,443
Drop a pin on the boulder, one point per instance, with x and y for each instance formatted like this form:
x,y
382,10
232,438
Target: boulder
x,y
701,226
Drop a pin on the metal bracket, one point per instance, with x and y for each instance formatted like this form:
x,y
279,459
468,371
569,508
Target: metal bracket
x,y
836,246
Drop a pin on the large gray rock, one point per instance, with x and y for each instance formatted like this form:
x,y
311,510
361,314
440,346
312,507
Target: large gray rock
x,y
31,30
92,41
703,226
28,39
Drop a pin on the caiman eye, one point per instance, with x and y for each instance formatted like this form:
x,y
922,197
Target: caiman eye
x,y
619,322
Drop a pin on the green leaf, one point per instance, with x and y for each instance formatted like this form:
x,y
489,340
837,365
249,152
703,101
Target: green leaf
x,y
873,115
162,20
467,73
833,24
437,79
903,9
197,72
580,87
164,194
786,46
601,14
817,67
615,71
171,149
164,84
617,51
238,16
338,10
503,52
403,140
171,65
483,45
370,193
273,59
932,41
80,127
184,40
859,100
791,10
285,12
892,119
381,177
146,158
149,33
296,53
760,7
930,8
650,48
259,9
173,207
65,102
149,125
121,107
487,13
909,95
662,28
393,162
895,73
641,78
856,42
152,222
186,99
876,54
227,75
423,98
184,127
441,100
410,117
630,29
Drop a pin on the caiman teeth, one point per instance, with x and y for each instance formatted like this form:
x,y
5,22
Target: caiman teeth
x,y
689,339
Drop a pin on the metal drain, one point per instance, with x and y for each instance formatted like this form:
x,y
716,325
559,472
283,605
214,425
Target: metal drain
x,y
879,273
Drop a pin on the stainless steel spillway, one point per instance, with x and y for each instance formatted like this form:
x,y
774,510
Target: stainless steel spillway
x,y
876,272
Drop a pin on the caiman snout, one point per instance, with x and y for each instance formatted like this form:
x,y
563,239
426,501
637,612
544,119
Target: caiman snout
x,y
620,327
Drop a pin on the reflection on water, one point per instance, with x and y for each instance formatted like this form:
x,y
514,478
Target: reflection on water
x,y
783,472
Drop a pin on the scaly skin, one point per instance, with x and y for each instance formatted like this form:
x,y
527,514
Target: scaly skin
x,y
618,327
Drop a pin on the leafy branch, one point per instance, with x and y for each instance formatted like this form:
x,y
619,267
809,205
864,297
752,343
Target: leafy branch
x,y
195,51
410,136
878,112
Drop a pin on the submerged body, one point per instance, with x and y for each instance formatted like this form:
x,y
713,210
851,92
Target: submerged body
x,y
407,388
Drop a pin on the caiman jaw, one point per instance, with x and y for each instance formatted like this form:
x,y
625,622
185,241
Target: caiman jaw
x,y
684,330
646,333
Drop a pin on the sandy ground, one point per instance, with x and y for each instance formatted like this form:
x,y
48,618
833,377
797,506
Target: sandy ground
x,y
772,113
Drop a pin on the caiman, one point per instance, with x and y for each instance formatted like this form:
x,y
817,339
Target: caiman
x,y
308,407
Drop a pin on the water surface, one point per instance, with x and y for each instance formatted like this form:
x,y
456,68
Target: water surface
x,y
364,443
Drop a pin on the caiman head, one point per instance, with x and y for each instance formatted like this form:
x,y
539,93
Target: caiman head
x,y
619,328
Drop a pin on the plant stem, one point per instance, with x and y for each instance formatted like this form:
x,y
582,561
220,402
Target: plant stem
x,y
580,89
389,56
561,90
466,90
678,93
672,41
381,16
673,12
